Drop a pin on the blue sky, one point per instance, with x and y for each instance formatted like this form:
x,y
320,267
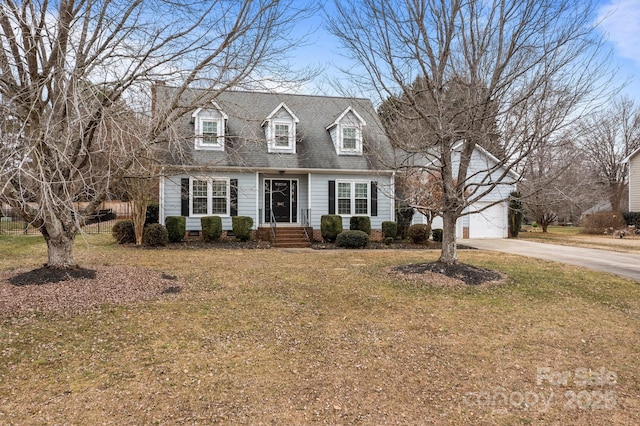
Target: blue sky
x,y
620,25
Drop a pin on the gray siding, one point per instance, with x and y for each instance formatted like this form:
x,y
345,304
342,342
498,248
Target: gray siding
x,y
246,197
312,189
320,197
634,183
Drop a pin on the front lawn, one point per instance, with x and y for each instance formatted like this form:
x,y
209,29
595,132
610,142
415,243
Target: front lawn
x,y
283,337
572,236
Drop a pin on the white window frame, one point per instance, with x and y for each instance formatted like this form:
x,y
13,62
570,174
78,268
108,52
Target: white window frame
x,y
352,197
210,197
277,124
218,145
207,115
204,135
273,136
357,139
349,119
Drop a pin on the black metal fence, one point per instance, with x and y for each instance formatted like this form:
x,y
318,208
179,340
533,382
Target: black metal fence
x,y
101,223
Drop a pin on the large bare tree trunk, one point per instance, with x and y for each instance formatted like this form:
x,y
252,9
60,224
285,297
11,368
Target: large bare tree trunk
x,y
449,252
59,237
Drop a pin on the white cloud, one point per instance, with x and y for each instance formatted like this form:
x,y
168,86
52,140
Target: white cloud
x,y
621,23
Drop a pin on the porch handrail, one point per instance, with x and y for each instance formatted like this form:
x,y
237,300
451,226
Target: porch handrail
x,y
272,223
306,222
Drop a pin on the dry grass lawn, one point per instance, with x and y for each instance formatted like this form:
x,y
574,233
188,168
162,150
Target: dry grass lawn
x,y
571,236
328,337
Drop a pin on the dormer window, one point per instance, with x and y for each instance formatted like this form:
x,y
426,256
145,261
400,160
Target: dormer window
x,y
346,133
282,135
209,132
209,127
280,130
349,138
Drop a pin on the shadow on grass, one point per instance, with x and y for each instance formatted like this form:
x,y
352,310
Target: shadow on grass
x,y
46,275
468,274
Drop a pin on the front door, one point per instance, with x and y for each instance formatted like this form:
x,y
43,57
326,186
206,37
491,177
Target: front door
x,y
280,196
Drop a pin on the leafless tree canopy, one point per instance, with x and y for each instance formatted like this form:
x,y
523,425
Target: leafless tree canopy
x,y
500,74
607,137
557,184
75,90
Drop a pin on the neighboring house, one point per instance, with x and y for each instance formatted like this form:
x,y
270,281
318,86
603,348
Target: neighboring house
x,y
634,180
488,217
282,159
600,206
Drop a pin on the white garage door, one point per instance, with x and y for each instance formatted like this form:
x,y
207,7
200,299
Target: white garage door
x,y
490,223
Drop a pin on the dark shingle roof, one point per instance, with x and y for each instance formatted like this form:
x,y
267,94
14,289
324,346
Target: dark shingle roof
x,y
246,145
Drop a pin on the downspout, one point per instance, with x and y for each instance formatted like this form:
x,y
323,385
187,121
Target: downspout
x,y
258,221
161,197
309,199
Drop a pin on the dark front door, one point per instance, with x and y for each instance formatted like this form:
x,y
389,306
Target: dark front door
x,y
281,198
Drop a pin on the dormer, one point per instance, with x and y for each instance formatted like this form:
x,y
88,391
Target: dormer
x,y
280,130
209,125
346,133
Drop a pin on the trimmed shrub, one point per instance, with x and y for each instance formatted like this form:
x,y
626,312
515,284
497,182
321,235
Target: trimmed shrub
x,y
124,232
211,228
153,213
632,219
176,227
437,235
155,235
419,233
598,223
389,229
352,239
360,223
388,241
330,227
241,226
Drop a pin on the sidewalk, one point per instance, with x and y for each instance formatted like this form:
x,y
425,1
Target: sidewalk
x,y
623,264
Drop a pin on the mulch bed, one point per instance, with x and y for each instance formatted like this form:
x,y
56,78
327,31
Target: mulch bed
x,y
43,290
467,274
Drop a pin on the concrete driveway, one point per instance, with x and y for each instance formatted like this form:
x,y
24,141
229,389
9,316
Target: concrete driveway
x,y
624,264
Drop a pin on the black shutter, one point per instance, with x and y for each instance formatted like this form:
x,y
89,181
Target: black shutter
x,y
374,198
332,197
233,195
184,197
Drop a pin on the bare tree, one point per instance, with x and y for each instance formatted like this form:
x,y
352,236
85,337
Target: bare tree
x,y
607,137
68,67
421,191
466,73
556,182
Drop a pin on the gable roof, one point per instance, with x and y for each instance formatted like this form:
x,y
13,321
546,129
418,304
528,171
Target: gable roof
x,y
246,145
215,106
277,109
491,157
429,159
344,113
630,156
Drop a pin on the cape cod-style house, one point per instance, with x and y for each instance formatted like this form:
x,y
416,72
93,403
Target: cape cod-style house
x,y
282,159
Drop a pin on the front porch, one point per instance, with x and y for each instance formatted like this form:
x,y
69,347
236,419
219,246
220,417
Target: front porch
x,y
286,236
